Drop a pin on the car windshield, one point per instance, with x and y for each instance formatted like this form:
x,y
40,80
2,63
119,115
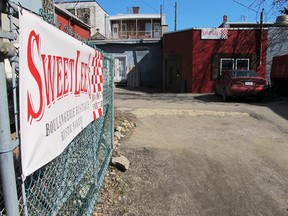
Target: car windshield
x,y
243,73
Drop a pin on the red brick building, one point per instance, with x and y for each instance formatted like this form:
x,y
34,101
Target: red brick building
x,y
70,24
193,58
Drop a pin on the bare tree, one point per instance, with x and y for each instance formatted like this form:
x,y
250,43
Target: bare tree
x,y
271,8
278,6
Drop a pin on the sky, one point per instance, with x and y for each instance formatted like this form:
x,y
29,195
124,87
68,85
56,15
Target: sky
x,y
196,13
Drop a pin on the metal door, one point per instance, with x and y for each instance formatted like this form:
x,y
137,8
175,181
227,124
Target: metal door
x,y
173,74
120,69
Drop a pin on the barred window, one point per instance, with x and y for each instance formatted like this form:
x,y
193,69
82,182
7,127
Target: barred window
x,y
84,15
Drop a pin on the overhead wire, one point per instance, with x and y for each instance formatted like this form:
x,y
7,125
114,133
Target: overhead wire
x,y
149,5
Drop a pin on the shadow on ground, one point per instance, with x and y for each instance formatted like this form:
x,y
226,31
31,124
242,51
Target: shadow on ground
x,y
275,102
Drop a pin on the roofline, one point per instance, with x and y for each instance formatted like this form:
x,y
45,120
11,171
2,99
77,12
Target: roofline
x,y
249,23
76,1
135,16
254,24
101,7
128,41
67,13
190,29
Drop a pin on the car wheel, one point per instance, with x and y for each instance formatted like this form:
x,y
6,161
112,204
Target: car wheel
x,y
259,98
225,97
216,93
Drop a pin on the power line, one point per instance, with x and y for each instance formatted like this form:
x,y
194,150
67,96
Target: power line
x,y
252,3
249,7
245,6
76,4
149,5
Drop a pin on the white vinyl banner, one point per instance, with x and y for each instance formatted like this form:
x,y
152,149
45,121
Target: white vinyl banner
x,y
61,84
214,33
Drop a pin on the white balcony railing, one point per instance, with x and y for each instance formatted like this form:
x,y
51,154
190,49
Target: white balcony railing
x,y
136,34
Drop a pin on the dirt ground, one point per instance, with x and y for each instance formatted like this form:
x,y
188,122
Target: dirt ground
x,y
195,155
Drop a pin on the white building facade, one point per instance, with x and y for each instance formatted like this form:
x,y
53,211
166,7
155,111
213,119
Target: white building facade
x,y
91,13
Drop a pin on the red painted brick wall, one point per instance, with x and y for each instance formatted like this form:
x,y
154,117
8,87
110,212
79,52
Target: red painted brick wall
x,y
197,54
179,44
84,33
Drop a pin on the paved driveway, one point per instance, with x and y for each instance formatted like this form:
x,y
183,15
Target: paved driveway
x,y
195,155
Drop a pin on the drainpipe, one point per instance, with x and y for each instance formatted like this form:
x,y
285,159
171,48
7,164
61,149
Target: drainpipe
x,y
7,171
105,23
151,30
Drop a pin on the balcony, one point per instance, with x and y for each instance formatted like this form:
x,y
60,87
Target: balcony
x,y
136,26
136,34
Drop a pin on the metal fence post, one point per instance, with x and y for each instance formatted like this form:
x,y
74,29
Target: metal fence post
x,y
7,171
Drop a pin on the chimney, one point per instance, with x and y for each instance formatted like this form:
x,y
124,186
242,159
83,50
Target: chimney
x,y
225,18
135,10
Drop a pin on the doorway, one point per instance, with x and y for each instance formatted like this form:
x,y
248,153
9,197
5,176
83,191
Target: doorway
x,y
120,69
173,73
115,31
157,33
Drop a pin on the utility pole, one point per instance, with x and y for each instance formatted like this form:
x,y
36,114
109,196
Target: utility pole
x,y
161,14
175,19
7,171
261,36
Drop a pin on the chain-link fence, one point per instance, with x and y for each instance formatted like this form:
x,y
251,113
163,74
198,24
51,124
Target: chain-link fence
x,y
69,185
2,207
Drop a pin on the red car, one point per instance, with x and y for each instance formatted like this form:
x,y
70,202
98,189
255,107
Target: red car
x,y
240,83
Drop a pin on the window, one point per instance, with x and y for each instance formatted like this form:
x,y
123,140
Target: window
x,y
84,15
147,28
242,64
226,64
72,11
124,29
227,61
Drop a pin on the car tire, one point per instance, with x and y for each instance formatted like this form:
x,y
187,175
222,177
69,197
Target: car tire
x,y
216,93
225,96
259,98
